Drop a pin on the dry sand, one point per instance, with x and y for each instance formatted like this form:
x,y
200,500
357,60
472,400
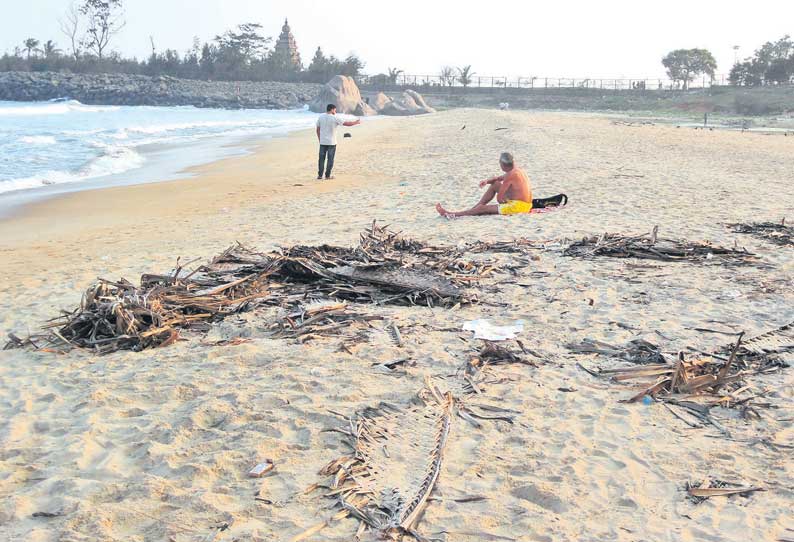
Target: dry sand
x,y
156,445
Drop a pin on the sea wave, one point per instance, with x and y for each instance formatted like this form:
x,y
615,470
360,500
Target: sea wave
x,y
111,161
38,140
52,108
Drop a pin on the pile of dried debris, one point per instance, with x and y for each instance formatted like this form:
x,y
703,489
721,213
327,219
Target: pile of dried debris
x,y
650,246
773,232
384,268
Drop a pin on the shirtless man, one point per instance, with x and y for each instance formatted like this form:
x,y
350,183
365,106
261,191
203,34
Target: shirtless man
x,y
512,190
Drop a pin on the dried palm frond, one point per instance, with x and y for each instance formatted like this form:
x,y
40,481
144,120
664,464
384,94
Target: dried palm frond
x,y
651,246
397,460
774,232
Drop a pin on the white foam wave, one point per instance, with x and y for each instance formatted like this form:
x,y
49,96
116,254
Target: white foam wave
x,y
113,160
38,140
50,108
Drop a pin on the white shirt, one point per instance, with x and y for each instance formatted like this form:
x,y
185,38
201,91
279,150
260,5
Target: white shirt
x,y
328,124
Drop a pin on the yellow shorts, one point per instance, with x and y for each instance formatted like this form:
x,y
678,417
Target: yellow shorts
x,y
514,207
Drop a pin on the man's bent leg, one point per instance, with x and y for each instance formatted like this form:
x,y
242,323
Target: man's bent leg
x,y
493,189
331,156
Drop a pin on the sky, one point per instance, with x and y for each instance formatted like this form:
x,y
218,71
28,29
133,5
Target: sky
x,y
563,38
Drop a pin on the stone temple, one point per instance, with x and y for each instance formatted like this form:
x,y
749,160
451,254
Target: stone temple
x,y
286,47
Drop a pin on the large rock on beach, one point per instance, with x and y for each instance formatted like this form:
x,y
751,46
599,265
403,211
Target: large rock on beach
x,y
343,92
380,102
410,103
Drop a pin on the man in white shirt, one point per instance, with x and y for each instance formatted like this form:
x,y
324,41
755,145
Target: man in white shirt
x,y
327,125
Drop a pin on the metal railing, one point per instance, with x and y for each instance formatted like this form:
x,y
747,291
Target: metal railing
x,y
496,82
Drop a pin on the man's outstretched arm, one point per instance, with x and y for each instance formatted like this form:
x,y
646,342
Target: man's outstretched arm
x,y
352,123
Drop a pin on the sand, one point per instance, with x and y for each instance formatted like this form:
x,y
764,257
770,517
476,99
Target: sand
x,y
156,445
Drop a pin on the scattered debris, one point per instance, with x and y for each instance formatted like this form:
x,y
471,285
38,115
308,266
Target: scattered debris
x,y
773,232
715,378
261,469
397,458
651,246
486,330
701,491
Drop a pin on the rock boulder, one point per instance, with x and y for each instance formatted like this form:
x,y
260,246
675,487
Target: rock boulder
x,y
343,92
410,103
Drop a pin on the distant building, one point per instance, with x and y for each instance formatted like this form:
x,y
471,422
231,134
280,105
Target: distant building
x,y
286,48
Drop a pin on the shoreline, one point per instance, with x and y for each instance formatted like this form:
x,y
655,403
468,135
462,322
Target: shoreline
x,y
164,162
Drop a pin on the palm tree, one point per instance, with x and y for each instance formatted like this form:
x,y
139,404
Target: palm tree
x,y
31,45
465,75
394,73
50,50
447,76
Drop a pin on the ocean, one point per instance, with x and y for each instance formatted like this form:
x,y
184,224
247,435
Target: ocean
x,y
57,146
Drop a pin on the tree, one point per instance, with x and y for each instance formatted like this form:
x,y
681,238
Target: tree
x,y
685,64
394,73
447,76
464,75
50,50
246,42
352,66
31,45
104,19
71,28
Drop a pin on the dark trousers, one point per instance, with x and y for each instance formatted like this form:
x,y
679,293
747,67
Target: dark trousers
x,y
330,151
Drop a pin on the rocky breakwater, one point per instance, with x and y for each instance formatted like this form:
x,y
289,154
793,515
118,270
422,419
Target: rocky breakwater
x,y
123,89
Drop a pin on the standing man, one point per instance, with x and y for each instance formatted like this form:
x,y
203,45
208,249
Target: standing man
x,y
327,125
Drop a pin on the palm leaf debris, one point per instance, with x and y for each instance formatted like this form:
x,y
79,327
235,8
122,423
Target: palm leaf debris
x,y
396,461
650,246
705,489
773,232
385,268
714,378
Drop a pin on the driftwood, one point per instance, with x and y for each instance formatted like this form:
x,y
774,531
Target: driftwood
x,y
651,247
773,232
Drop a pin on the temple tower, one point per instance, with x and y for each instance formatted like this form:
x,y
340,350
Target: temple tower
x,y
286,47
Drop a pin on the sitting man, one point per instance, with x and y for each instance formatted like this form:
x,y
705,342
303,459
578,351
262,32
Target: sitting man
x,y
512,190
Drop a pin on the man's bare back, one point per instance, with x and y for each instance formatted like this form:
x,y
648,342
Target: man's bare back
x,y
515,186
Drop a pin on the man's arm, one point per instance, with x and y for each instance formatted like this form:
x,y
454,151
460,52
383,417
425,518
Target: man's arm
x,y
352,123
492,180
318,133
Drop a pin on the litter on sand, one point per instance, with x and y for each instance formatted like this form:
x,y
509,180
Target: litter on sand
x,y
488,331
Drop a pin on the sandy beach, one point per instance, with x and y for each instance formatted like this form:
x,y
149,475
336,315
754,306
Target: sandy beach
x,y
157,445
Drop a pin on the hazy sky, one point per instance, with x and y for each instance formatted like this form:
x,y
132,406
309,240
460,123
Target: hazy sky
x,y
563,38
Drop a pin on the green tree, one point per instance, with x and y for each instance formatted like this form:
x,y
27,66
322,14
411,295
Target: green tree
x,y
104,19
465,75
352,66
50,50
447,76
394,74
31,45
683,65
246,41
